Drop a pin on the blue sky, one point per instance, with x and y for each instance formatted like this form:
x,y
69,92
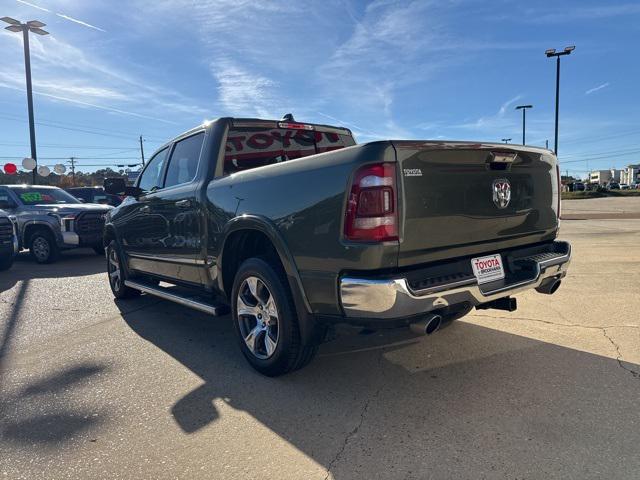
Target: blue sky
x,y
454,69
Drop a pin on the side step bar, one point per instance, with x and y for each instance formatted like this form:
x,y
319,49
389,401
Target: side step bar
x,y
188,301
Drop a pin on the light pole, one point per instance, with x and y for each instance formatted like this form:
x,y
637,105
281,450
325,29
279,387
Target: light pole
x,y
552,53
34,26
524,119
506,140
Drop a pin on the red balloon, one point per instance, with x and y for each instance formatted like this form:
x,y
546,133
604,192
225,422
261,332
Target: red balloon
x,y
10,168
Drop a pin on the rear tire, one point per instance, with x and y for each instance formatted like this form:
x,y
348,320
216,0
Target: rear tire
x,y
265,319
43,247
117,274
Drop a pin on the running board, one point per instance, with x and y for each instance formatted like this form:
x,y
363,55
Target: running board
x,y
183,298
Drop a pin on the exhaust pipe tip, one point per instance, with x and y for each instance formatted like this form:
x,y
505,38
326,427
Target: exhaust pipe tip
x,y
427,326
550,287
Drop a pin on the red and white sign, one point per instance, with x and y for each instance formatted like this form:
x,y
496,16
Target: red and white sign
x,y
487,269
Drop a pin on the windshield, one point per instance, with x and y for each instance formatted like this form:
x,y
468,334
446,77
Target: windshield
x,y
43,196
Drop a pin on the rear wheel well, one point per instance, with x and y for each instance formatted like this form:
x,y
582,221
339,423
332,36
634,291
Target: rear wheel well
x,y
242,245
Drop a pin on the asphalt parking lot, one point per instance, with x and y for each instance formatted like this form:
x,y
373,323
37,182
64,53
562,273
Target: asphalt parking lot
x,y
91,388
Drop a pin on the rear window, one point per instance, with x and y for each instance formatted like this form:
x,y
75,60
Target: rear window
x,y
255,147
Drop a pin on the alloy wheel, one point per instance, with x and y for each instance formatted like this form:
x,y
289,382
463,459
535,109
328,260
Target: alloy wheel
x,y
115,278
257,317
41,248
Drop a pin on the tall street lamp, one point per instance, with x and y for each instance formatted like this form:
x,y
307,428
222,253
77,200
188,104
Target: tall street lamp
x,y
552,53
506,140
524,119
34,26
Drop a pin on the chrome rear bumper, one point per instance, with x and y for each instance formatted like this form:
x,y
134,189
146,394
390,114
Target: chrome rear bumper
x,y
393,298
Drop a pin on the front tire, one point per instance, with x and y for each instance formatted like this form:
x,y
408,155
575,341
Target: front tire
x,y
117,274
43,247
265,319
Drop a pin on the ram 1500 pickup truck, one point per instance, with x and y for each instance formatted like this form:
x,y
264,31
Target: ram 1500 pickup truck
x,y
295,228
50,220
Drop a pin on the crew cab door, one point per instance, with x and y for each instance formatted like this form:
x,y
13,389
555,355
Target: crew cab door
x,y
172,218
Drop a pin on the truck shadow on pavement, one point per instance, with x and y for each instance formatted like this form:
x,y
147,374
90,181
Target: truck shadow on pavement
x,y
468,402
73,263
59,421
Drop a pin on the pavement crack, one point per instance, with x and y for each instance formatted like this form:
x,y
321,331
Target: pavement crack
x,y
619,359
557,324
603,329
363,414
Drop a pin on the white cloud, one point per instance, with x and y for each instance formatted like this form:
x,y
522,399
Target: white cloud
x,y
33,5
80,22
65,72
242,92
595,89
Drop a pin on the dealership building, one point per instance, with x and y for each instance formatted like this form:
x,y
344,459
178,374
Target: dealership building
x,y
630,175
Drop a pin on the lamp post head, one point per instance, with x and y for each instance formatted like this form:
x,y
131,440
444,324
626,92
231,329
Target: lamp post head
x,y
34,26
523,106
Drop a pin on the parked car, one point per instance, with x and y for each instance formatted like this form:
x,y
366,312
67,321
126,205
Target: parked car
x,y
50,220
94,195
8,240
624,186
578,187
613,186
295,228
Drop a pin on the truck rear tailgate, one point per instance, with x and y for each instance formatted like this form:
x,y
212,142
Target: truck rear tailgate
x,y
453,198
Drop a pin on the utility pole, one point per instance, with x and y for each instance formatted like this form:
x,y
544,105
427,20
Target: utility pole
x,y
552,53
524,119
72,161
546,144
35,27
141,151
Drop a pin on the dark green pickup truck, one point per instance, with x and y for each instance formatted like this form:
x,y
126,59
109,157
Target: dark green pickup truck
x,y
296,228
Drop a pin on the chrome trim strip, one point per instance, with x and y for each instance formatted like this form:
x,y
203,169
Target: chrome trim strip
x,y
162,293
393,298
164,258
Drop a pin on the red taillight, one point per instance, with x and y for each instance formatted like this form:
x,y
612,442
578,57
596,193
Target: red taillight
x,y
295,126
372,215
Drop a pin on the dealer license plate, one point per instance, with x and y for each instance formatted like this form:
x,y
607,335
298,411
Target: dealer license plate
x,y
487,269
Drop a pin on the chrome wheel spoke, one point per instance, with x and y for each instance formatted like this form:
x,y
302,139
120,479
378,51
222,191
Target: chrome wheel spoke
x,y
270,308
252,339
252,283
244,309
269,343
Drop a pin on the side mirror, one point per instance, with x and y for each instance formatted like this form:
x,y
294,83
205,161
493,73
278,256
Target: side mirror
x,y
118,186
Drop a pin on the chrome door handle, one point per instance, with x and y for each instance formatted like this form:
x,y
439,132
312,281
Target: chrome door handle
x,y
183,203
145,209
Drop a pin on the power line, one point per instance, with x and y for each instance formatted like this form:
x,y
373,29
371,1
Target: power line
x,y
93,131
61,145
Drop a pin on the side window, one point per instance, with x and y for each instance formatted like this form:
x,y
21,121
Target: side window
x,y
5,199
183,164
152,175
81,194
